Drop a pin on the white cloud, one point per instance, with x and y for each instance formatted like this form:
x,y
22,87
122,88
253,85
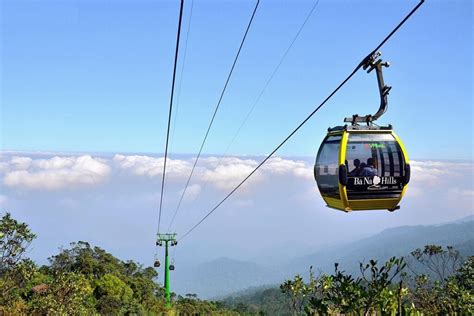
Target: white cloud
x,y
21,163
222,172
228,176
56,173
152,167
282,166
213,162
55,163
3,167
432,173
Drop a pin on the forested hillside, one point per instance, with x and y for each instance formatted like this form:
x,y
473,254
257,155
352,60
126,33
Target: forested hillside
x,y
432,280
218,278
398,241
82,279
85,279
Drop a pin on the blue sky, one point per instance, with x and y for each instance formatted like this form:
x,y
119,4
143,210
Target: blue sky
x,y
94,76
88,82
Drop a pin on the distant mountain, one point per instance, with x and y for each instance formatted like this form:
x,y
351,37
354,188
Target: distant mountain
x,y
463,220
399,241
224,276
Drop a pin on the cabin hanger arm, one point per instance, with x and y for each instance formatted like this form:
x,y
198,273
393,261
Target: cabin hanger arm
x,y
370,63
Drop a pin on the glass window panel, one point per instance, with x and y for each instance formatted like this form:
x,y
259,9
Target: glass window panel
x,y
326,167
375,165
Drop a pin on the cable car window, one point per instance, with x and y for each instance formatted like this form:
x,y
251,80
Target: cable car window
x,y
375,164
326,167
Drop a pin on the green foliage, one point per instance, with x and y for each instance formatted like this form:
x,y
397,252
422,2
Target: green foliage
x,y
454,294
113,295
267,301
380,289
439,262
15,284
372,292
297,291
192,305
337,292
380,293
67,293
15,238
88,280
91,261
82,280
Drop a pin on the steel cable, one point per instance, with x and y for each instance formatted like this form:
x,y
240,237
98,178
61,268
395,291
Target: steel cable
x,y
170,110
214,114
306,119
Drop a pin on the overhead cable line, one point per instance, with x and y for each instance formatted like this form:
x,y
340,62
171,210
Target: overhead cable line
x,y
257,100
171,110
267,83
178,96
215,112
306,119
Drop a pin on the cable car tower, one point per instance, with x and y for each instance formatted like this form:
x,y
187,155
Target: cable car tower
x,y
166,239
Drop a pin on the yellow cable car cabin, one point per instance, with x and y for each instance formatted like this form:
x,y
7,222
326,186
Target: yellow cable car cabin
x,y
363,167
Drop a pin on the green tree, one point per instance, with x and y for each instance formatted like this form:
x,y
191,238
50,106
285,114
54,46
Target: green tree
x,y
82,280
82,258
15,284
453,295
15,238
67,293
380,293
15,271
113,294
337,293
440,262
297,291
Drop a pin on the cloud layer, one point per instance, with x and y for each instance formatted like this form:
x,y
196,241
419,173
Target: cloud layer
x,y
223,173
113,201
54,173
70,172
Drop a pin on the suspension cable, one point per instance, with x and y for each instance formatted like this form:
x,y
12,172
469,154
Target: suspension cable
x,y
214,114
178,92
306,119
171,110
267,83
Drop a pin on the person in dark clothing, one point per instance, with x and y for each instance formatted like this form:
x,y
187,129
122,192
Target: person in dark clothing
x,y
356,170
361,168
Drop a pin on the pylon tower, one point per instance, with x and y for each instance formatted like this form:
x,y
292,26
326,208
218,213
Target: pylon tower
x,y
167,239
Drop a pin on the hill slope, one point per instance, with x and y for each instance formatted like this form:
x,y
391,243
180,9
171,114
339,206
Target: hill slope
x,y
398,241
224,276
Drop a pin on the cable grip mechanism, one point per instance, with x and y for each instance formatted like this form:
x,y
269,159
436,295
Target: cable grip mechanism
x,y
370,63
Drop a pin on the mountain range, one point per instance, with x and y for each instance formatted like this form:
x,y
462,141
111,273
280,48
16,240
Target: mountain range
x,y
223,276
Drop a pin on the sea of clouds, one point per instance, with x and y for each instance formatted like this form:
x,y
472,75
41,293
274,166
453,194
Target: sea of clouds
x,y
112,200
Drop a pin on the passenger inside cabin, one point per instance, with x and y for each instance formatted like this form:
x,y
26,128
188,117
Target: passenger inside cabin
x,y
369,170
356,170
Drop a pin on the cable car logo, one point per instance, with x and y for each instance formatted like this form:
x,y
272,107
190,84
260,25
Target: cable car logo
x,y
375,181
